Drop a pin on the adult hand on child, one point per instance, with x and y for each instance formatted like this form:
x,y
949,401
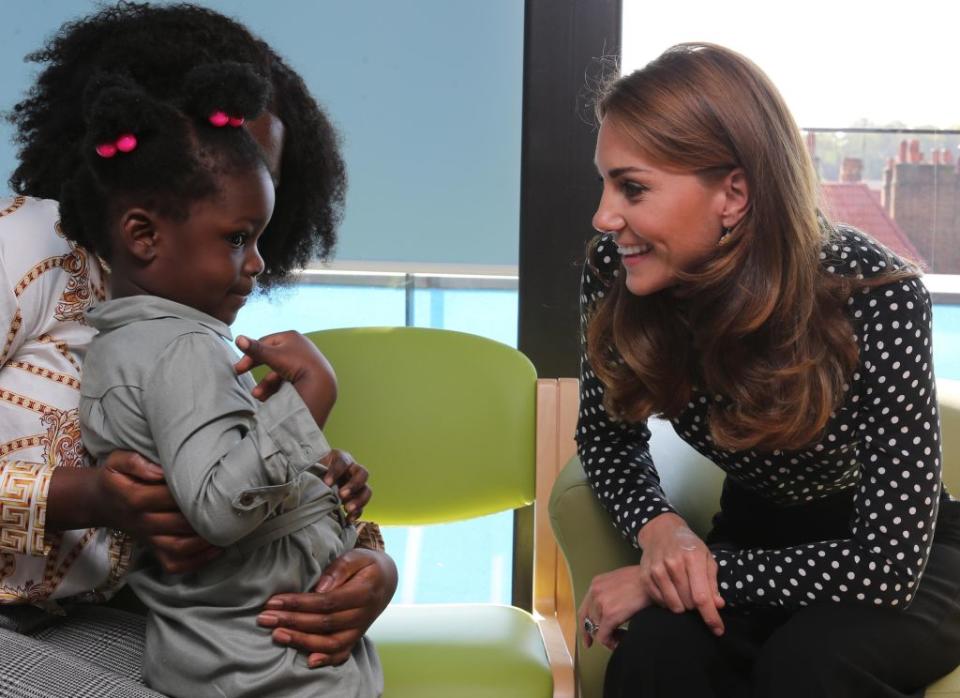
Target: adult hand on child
x,y
295,359
327,623
128,493
351,479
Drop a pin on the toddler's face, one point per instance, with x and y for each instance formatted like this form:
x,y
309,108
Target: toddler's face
x,y
210,260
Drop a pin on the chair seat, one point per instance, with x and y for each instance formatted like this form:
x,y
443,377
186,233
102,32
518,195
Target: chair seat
x,y
947,687
462,650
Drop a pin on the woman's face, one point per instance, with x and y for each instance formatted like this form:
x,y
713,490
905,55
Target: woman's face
x,y
663,220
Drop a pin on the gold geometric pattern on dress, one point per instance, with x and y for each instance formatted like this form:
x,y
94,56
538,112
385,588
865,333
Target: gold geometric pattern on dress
x,y
62,444
18,483
20,443
77,296
61,378
35,273
121,552
25,402
61,347
15,326
17,203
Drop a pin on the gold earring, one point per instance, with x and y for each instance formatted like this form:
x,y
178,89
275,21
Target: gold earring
x,y
724,235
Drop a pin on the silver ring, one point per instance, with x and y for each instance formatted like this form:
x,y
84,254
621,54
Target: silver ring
x,y
589,627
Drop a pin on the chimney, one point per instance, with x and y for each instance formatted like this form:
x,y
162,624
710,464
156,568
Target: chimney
x,y
935,156
902,153
851,170
915,155
947,156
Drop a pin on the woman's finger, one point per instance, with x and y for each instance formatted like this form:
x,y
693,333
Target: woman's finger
x,y
605,631
678,569
180,546
583,613
703,596
312,623
332,644
134,465
165,523
668,592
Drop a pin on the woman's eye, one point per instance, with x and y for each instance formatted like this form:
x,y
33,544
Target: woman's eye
x,y
633,190
238,239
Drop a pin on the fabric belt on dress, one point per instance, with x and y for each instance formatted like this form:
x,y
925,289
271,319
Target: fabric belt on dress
x,y
286,523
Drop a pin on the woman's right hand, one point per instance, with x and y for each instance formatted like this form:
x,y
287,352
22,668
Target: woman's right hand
x,y
678,571
128,493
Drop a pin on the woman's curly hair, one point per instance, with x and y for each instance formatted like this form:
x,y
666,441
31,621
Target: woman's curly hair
x,y
155,48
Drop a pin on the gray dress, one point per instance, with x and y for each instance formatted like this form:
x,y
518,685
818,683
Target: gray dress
x,y
159,380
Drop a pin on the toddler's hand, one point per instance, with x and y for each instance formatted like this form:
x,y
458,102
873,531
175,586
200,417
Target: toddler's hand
x,y
293,358
351,478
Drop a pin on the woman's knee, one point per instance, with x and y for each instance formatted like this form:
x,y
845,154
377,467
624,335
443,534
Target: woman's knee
x,y
658,646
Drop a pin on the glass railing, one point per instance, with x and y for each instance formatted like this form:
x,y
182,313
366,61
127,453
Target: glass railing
x,y
468,561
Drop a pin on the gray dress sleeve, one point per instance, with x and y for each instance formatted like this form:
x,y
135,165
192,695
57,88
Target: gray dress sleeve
x,y
229,460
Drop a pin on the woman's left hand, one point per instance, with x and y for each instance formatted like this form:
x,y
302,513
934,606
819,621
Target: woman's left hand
x,y
328,622
351,479
612,599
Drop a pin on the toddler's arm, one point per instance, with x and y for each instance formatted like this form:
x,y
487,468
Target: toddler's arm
x,y
229,460
293,358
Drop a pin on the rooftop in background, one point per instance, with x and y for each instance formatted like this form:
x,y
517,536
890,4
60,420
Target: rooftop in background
x,y
915,208
856,204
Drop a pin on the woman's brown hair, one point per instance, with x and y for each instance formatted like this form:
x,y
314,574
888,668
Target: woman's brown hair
x,y
760,322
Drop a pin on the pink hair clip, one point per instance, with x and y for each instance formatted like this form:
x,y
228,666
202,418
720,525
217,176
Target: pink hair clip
x,y
125,143
221,118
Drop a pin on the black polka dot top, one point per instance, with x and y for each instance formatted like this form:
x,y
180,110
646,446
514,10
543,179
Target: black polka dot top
x,y
882,447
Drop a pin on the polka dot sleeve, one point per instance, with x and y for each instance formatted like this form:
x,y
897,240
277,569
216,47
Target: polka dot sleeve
x,y
890,426
615,455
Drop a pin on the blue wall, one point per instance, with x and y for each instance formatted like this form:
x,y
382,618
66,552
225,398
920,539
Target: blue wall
x,y
427,95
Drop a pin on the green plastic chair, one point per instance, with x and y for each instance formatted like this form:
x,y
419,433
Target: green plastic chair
x,y
446,424
592,546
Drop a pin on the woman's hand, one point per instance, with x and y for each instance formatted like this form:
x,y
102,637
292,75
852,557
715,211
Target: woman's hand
x,y
327,623
678,571
611,600
127,492
351,479
295,359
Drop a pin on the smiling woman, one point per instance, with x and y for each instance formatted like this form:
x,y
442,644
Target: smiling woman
x,y
796,355
665,221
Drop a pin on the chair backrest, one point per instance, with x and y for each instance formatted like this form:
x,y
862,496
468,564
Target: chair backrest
x,y
444,421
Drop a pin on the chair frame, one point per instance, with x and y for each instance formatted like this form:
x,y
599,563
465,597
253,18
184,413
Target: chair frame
x,y
553,604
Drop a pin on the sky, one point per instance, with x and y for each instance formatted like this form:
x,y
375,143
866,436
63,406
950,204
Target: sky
x,y
835,61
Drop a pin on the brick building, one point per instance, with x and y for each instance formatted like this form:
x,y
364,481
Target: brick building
x,y
923,197
914,210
